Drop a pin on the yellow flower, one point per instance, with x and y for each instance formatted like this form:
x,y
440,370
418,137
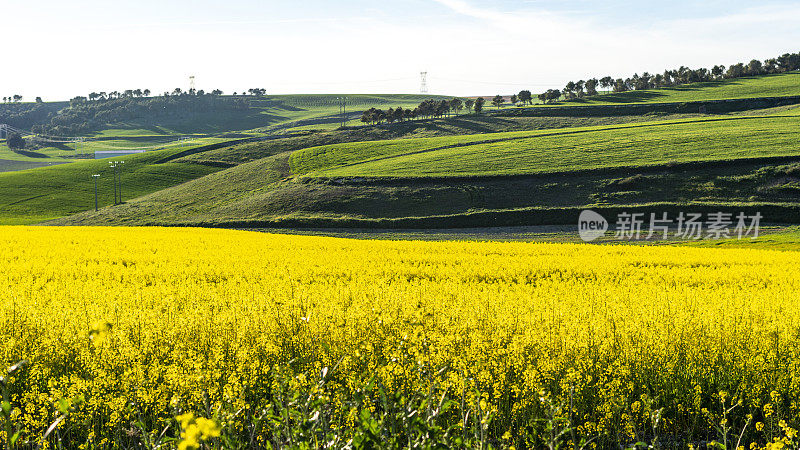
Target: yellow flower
x,y
99,331
208,428
759,426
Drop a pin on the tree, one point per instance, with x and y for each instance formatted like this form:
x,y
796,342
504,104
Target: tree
x,y
550,95
755,67
569,90
17,98
399,114
735,71
606,82
38,99
75,101
525,96
514,99
443,108
146,92
579,88
216,92
456,104
479,102
591,86
469,104
15,142
718,72
366,116
498,101
620,85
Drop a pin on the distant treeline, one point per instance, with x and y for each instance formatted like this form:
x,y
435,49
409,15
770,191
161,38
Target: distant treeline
x,y
86,116
93,112
26,115
787,62
426,110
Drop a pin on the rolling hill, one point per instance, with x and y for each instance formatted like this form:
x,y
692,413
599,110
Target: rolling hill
x,y
502,178
462,171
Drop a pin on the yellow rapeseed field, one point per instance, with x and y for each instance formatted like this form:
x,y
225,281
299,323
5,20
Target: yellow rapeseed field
x,y
247,338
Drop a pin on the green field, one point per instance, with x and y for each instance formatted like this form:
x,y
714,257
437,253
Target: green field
x,y
547,151
30,196
598,166
266,115
401,174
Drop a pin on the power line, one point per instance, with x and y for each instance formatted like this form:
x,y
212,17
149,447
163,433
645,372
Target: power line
x,y
496,83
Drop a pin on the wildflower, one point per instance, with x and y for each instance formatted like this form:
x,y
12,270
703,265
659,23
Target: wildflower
x,y
99,331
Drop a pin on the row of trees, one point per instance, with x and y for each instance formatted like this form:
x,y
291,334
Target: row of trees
x,y
140,93
426,110
787,62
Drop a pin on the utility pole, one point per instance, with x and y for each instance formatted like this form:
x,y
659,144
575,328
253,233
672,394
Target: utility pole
x,y
95,176
116,166
343,111
114,177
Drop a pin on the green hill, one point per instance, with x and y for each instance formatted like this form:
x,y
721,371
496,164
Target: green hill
x,y
545,176
547,151
462,170
159,122
30,196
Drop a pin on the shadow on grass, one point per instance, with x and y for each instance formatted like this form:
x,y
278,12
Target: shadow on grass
x,y
30,154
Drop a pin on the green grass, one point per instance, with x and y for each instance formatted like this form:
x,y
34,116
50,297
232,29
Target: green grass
x,y
783,239
271,114
779,85
573,149
263,192
30,196
279,180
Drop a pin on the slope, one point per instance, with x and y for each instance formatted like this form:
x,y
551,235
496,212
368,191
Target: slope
x,y
473,180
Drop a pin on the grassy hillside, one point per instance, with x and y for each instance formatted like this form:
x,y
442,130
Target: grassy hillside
x,y
452,126
749,161
142,130
30,196
72,195
469,166
548,151
778,85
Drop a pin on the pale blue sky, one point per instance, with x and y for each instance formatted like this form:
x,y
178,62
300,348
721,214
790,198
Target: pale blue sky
x,y
469,47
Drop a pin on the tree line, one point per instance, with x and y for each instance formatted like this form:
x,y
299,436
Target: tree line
x,y
428,109
787,62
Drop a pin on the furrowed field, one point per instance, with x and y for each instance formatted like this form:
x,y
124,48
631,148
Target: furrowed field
x,y
291,341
